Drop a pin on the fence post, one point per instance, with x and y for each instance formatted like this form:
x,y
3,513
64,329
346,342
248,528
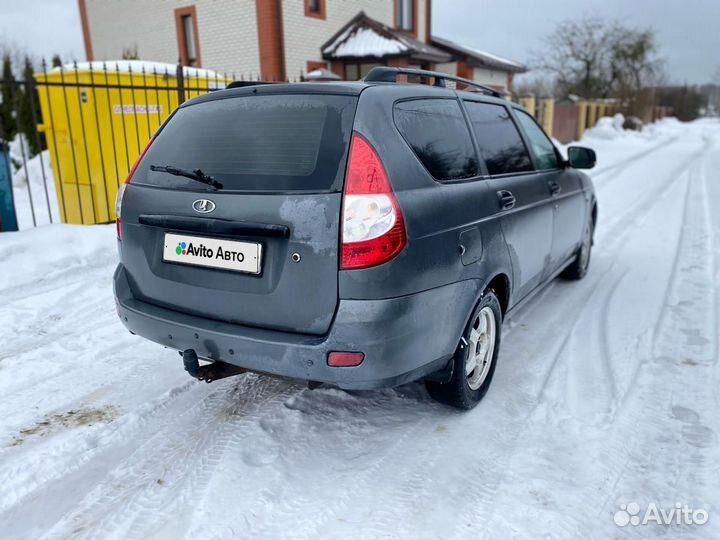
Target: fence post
x,y
548,115
593,114
582,118
180,84
528,102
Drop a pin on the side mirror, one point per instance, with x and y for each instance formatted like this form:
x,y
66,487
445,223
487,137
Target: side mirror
x,y
580,157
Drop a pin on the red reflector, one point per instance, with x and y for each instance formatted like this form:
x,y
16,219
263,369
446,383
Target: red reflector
x,y
345,359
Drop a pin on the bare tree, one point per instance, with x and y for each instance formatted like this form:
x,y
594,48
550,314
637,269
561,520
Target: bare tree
x,y
596,58
578,54
636,70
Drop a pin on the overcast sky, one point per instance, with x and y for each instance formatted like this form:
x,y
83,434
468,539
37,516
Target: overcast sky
x,y
688,31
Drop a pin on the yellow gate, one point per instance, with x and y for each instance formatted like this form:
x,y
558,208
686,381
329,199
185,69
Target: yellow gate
x,y
98,117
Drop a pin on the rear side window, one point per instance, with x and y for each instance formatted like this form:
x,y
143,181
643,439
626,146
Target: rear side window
x,y
500,143
542,146
256,143
437,132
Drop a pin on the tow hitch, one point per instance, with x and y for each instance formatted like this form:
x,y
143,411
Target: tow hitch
x,y
210,372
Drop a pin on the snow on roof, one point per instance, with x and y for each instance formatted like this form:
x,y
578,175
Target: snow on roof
x,y
482,56
364,37
497,58
322,74
137,66
367,42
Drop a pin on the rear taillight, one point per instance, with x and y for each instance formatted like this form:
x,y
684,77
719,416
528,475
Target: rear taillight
x,y
373,229
118,209
121,189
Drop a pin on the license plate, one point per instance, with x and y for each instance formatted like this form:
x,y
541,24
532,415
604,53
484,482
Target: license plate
x,y
213,253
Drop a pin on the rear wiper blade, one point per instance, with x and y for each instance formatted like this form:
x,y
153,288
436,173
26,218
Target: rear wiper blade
x,y
195,174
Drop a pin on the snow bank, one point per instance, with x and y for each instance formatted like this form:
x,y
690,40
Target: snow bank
x,y
57,247
611,128
608,127
613,143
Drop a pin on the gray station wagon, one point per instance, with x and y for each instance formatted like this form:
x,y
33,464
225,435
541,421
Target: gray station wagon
x,y
362,234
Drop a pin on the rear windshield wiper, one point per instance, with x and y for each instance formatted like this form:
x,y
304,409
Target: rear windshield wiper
x,y
195,174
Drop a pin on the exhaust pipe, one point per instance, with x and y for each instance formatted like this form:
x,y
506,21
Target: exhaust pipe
x,y
210,372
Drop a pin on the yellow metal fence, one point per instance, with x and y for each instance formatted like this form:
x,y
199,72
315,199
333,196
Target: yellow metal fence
x,y
97,118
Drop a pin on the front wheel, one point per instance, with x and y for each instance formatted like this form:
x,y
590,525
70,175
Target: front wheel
x,y
475,357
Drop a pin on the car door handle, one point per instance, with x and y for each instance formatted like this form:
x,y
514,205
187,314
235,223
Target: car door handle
x,y
506,198
554,187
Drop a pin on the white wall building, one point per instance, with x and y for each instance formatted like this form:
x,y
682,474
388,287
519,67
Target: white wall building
x,y
280,39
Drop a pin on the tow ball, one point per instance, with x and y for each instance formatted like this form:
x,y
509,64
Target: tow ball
x,y
210,372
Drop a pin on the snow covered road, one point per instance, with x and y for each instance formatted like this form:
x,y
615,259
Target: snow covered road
x,y
606,393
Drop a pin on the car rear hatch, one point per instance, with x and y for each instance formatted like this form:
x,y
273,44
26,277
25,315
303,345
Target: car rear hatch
x,y
262,250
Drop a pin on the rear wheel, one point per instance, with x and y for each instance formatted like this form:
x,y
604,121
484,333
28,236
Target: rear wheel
x,y
579,266
475,357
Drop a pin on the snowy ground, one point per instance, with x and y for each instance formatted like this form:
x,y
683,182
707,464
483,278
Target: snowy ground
x,y
606,393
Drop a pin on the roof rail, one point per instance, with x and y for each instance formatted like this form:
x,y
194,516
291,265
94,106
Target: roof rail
x,y
243,84
389,74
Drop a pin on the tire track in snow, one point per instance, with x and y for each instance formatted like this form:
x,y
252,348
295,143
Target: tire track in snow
x,y
156,482
57,316
76,272
617,234
651,403
374,416
616,228
60,457
619,165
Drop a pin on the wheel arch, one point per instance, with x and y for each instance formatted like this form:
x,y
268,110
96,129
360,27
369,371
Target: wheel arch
x,y
500,284
594,212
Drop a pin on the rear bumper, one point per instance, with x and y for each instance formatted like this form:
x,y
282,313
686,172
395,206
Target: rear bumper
x,y
403,338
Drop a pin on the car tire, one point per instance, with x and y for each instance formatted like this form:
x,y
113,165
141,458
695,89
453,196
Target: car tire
x,y
579,267
467,385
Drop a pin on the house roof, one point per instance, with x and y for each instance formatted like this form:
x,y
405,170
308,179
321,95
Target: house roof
x,y
322,74
364,37
478,58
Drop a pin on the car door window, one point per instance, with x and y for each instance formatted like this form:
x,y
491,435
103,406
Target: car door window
x,y
501,145
542,146
437,132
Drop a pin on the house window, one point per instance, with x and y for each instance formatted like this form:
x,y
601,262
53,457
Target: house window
x,y
189,40
315,8
355,71
187,36
405,14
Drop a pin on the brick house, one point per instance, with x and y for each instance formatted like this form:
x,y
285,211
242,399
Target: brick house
x,y
281,39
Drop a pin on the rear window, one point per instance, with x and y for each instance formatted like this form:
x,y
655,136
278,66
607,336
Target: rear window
x,y
437,132
501,145
256,143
